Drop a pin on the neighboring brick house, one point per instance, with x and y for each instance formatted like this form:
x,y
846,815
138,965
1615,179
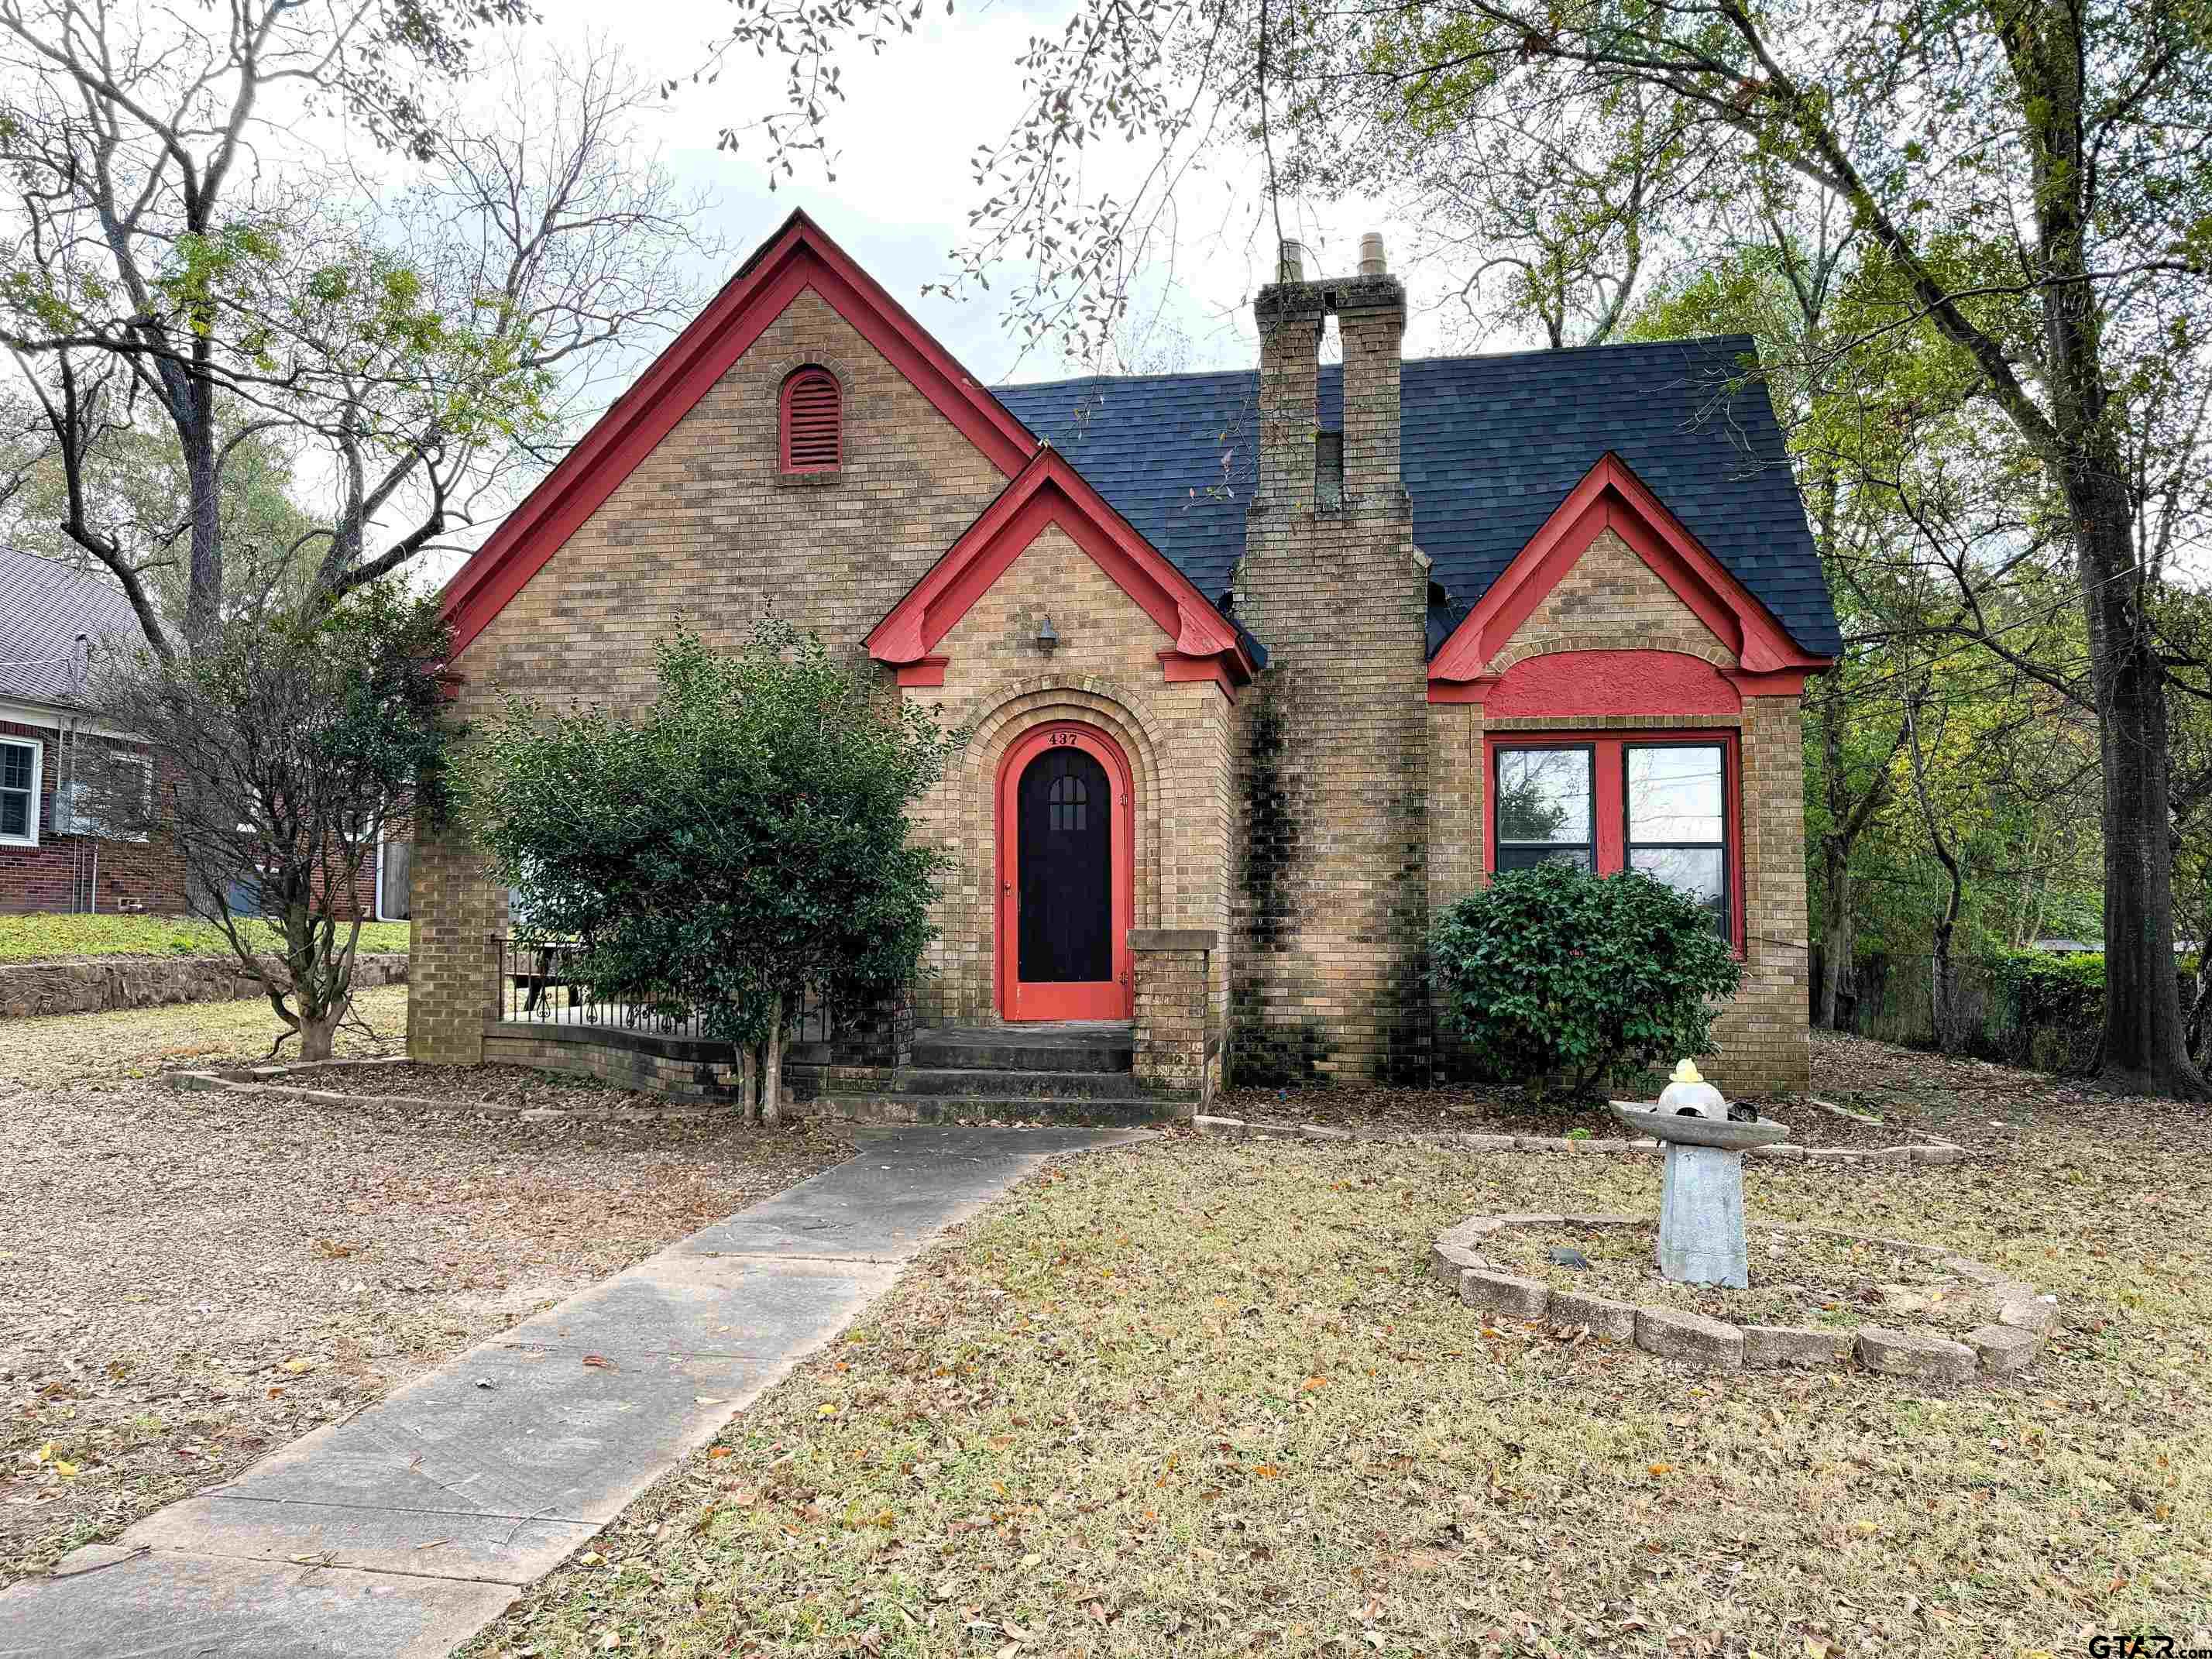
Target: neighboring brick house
x,y
53,855
1262,670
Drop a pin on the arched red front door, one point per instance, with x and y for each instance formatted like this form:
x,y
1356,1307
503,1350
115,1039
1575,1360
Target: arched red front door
x,y
1065,861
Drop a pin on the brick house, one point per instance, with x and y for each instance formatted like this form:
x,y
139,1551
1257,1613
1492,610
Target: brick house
x,y
54,857
1261,669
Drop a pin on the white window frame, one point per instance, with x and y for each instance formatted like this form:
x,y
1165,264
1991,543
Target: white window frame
x,y
38,748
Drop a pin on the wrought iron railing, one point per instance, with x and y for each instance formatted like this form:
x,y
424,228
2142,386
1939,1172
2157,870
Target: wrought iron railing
x,y
540,982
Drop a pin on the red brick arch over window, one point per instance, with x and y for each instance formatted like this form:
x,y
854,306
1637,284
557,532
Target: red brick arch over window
x,y
811,420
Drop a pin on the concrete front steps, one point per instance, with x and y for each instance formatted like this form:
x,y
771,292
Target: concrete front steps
x,y
1073,1071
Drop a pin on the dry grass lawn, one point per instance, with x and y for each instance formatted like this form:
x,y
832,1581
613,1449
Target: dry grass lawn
x,y
143,1042
188,1281
1203,1398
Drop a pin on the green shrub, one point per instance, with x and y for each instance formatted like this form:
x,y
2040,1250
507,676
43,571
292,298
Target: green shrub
x,y
2051,1009
1554,972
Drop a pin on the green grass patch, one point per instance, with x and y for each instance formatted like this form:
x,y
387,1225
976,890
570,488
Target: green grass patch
x,y
51,938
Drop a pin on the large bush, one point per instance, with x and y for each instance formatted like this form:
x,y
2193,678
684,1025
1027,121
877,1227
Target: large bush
x,y
739,846
1554,973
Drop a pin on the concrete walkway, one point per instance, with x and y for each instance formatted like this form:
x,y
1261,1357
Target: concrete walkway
x,y
402,1531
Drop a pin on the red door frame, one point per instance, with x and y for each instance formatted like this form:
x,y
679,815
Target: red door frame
x,y
1106,999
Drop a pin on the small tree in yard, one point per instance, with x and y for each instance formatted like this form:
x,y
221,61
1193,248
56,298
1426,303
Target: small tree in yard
x,y
1553,971
740,845
281,748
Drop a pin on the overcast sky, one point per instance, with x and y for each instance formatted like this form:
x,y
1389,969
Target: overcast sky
x,y
912,118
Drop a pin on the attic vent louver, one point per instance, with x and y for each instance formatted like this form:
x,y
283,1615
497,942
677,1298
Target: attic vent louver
x,y
813,423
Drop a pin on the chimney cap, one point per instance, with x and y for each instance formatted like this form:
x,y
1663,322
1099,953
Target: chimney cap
x,y
1371,260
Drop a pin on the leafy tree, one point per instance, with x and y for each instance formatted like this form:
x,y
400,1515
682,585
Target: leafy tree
x,y
284,744
135,493
177,268
1552,970
740,845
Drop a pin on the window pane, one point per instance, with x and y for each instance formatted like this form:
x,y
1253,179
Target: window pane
x,y
1696,870
399,866
1543,795
14,766
1674,794
1528,858
14,813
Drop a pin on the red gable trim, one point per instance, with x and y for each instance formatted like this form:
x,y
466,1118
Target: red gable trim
x,y
1612,497
798,256
1050,491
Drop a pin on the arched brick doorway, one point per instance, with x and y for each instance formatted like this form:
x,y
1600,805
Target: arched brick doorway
x,y
1066,852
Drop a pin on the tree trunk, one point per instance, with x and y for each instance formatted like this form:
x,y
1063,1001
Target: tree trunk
x,y
2144,1051
317,1032
203,581
1835,944
748,1093
772,1068
1943,981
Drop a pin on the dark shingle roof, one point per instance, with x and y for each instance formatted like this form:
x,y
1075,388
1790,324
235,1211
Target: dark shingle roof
x,y
44,606
1490,446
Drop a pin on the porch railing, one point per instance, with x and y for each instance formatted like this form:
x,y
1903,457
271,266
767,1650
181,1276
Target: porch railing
x,y
539,983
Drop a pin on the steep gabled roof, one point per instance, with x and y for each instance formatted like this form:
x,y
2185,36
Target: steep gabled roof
x,y
1492,446
44,606
1611,497
1202,644
798,256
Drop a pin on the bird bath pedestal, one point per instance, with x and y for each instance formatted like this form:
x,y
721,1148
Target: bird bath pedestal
x,y
1701,1193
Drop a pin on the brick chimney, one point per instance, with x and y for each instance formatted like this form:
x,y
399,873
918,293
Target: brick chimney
x,y
1333,903
1371,314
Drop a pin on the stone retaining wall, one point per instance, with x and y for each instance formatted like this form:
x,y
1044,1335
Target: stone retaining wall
x,y
91,985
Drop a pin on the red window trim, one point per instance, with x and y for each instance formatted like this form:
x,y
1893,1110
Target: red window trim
x,y
811,376
1609,795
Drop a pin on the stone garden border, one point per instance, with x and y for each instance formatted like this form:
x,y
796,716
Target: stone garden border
x,y
1872,1158
2019,1318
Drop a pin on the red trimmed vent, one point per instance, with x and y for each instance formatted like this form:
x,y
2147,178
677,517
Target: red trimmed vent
x,y
813,423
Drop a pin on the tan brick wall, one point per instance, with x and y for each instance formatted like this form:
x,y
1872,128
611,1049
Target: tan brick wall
x,y
707,529
1173,1024
1333,892
1765,1037
1106,672
452,968
1613,601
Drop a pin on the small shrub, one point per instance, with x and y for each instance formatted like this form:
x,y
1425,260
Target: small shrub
x,y
1554,972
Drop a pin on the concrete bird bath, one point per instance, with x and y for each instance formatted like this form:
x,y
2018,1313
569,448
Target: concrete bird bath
x,y
1701,1193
